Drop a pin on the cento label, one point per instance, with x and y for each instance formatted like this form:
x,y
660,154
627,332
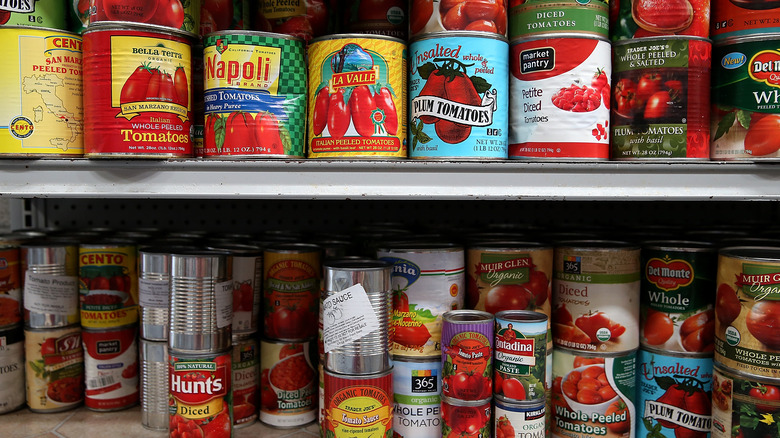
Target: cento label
x,y
108,290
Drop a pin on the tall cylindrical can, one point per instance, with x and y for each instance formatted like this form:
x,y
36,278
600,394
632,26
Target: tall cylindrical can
x,y
307,19
12,364
417,396
175,14
366,17
737,18
154,290
743,405
434,17
247,285
154,384
515,419
44,13
108,284
110,368
466,417
51,285
534,17
10,286
467,338
358,404
520,355
288,383
54,368
637,19
246,379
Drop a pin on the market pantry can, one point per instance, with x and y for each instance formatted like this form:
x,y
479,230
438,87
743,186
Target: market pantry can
x,y
42,111
110,368
54,368
359,406
12,364
10,286
467,354
559,93
357,97
139,100
108,284
661,99
517,419
535,17
743,405
176,14
520,353
417,396
458,94
288,383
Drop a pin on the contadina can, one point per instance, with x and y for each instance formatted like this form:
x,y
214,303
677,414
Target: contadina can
x,y
517,419
417,397
743,405
459,96
10,286
359,406
559,86
432,17
466,418
255,95
176,14
108,284
42,110
51,285
357,97
139,100
661,99
246,379
520,355
110,368
467,355
154,384
635,19
536,17
54,368
247,285
12,364
288,383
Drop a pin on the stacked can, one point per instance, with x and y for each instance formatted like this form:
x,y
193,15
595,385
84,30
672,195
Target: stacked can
x,y
11,331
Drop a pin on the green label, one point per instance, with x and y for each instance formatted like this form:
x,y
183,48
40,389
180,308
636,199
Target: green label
x,y
747,359
678,281
639,55
744,76
760,282
624,373
543,16
495,269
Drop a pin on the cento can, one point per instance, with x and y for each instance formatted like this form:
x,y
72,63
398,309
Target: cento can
x,y
635,19
181,15
536,17
520,355
743,405
517,419
596,296
51,284
246,379
661,99
417,396
467,354
359,406
288,383
255,95
154,384
139,100
12,364
357,97
247,285
111,368
466,417
745,121
108,284
54,368
737,18
432,17
459,96
42,111
40,13
10,286
547,116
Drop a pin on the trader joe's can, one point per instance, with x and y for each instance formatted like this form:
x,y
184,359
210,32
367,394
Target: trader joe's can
x,y
246,379
417,396
139,100
467,354
288,383
517,419
10,286
738,18
11,369
559,87
111,368
459,416
255,95
108,285
54,368
742,405
37,13
636,19
535,17
520,355
41,114
175,14
357,97
661,99
359,406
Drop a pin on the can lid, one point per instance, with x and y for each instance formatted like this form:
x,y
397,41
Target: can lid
x,y
133,26
521,316
466,316
767,253
373,275
200,264
349,36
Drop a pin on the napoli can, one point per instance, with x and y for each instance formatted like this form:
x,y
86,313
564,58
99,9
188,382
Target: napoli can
x,y
108,284
110,368
10,286
174,14
246,379
515,419
466,418
51,284
738,18
467,354
54,368
359,406
536,17
417,396
426,18
288,383
12,364
459,96
742,404
41,13
520,354
154,384
635,19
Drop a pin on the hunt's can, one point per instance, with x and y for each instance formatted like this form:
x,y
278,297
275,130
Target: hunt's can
x,y
42,111
247,285
738,18
459,96
559,88
357,97
288,383
661,99
255,95
743,405
417,396
40,13
246,379
466,417
139,100
520,355
367,17
154,384
12,364
51,284
181,15
433,17
54,368
108,285
10,286
515,419
636,19
536,17
359,406
154,283
467,354
110,368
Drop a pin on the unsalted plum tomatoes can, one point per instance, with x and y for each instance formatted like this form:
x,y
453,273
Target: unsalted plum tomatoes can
x,y
743,405
108,284
520,355
288,383
54,368
358,406
466,418
111,368
181,15
635,19
467,355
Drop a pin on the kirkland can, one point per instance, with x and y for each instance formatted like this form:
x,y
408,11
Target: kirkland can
x,y
535,17
51,284
247,285
38,13
432,17
661,99
673,394
547,118
427,281
676,302
108,285
467,354
459,96
246,379
359,406
635,19
42,110
110,368
12,394
154,384
357,97
596,296
417,397
54,368
743,406
520,355
738,18
255,93
139,100
369,17
288,383
518,420
10,286
181,15
466,418
745,115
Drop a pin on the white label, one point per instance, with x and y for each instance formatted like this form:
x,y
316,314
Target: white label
x,y
224,299
53,294
154,294
346,317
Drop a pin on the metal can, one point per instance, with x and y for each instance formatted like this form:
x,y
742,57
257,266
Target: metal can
x,y
10,286
466,417
12,363
515,419
661,104
227,15
41,13
255,95
174,14
78,16
246,380
108,284
359,406
743,405
432,17
467,354
459,96
388,18
44,120
545,119
54,368
51,285
247,285
635,19
154,384
288,383
536,17
139,100
736,18
596,296
154,290
110,368
417,397
305,19
520,355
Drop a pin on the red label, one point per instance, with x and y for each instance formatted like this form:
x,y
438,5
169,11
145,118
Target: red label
x,y
669,274
198,382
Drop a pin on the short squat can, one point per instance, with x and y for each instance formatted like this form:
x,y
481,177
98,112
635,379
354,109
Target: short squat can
x,y
743,405
466,417
520,355
515,419
288,383
358,404
54,368
467,354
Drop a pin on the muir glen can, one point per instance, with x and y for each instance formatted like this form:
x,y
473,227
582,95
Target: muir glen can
x,y
520,355
288,383
108,284
110,368
175,14
12,364
417,396
743,405
359,406
54,368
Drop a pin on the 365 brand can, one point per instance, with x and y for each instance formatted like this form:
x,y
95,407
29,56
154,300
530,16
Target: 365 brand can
x,y
51,285
108,285
517,419
54,368
465,417
12,364
642,19
154,384
247,285
536,17
743,405
175,14
40,13
417,397
737,18
467,354
520,355
288,383
110,368
433,17
359,406
10,286
246,379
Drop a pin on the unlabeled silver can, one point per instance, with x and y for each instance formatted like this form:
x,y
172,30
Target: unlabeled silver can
x,y
154,385
154,281
247,285
50,284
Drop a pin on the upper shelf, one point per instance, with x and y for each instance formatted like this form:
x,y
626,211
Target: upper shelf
x,y
415,180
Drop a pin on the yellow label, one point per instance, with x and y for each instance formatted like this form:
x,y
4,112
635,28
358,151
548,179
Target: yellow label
x,y
200,412
242,66
283,8
361,417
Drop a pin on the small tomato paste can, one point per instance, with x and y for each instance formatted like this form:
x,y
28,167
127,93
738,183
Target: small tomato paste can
x,y
291,292
110,368
417,396
139,100
467,354
427,280
42,111
246,379
247,285
181,15
10,286
466,418
357,97
536,17
154,384
255,95
677,312
673,393
358,406
559,97
520,355
736,18
200,393
108,285
223,15
305,19
388,18
661,99
515,419
51,284
747,310
593,394
11,368
430,17
743,405
596,296
54,368
745,115
635,19
288,383
458,96
38,13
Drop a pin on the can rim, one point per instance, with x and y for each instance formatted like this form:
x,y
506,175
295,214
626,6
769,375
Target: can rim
x,y
467,316
357,264
680,245
408,247
513,245
282,36
349,36
595,244
292,248
764,253
539,403
459,34
521,316
135,26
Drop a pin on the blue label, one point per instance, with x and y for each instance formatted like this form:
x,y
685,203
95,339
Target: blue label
x,y
228,100
733,60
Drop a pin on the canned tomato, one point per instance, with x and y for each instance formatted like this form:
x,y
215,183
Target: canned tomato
x,y
10,286
51,284
359,406
11,369
78,16
458,96
735,18
292,273
223,15
417,396
676,303
108,285
745,114
246,378
467,354
255,95
305,19
429,17
465,418
139,100
520,355
110,368
288,383
536,17
661,99
40,13
605,405
357,97
518,420
743,405
247,285
379,18
547,116
42,110
154,384
596,296
154,283
175,14
642,18
427,280
54,368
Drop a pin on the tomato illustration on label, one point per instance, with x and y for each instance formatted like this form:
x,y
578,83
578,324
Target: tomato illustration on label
x,y
147,83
